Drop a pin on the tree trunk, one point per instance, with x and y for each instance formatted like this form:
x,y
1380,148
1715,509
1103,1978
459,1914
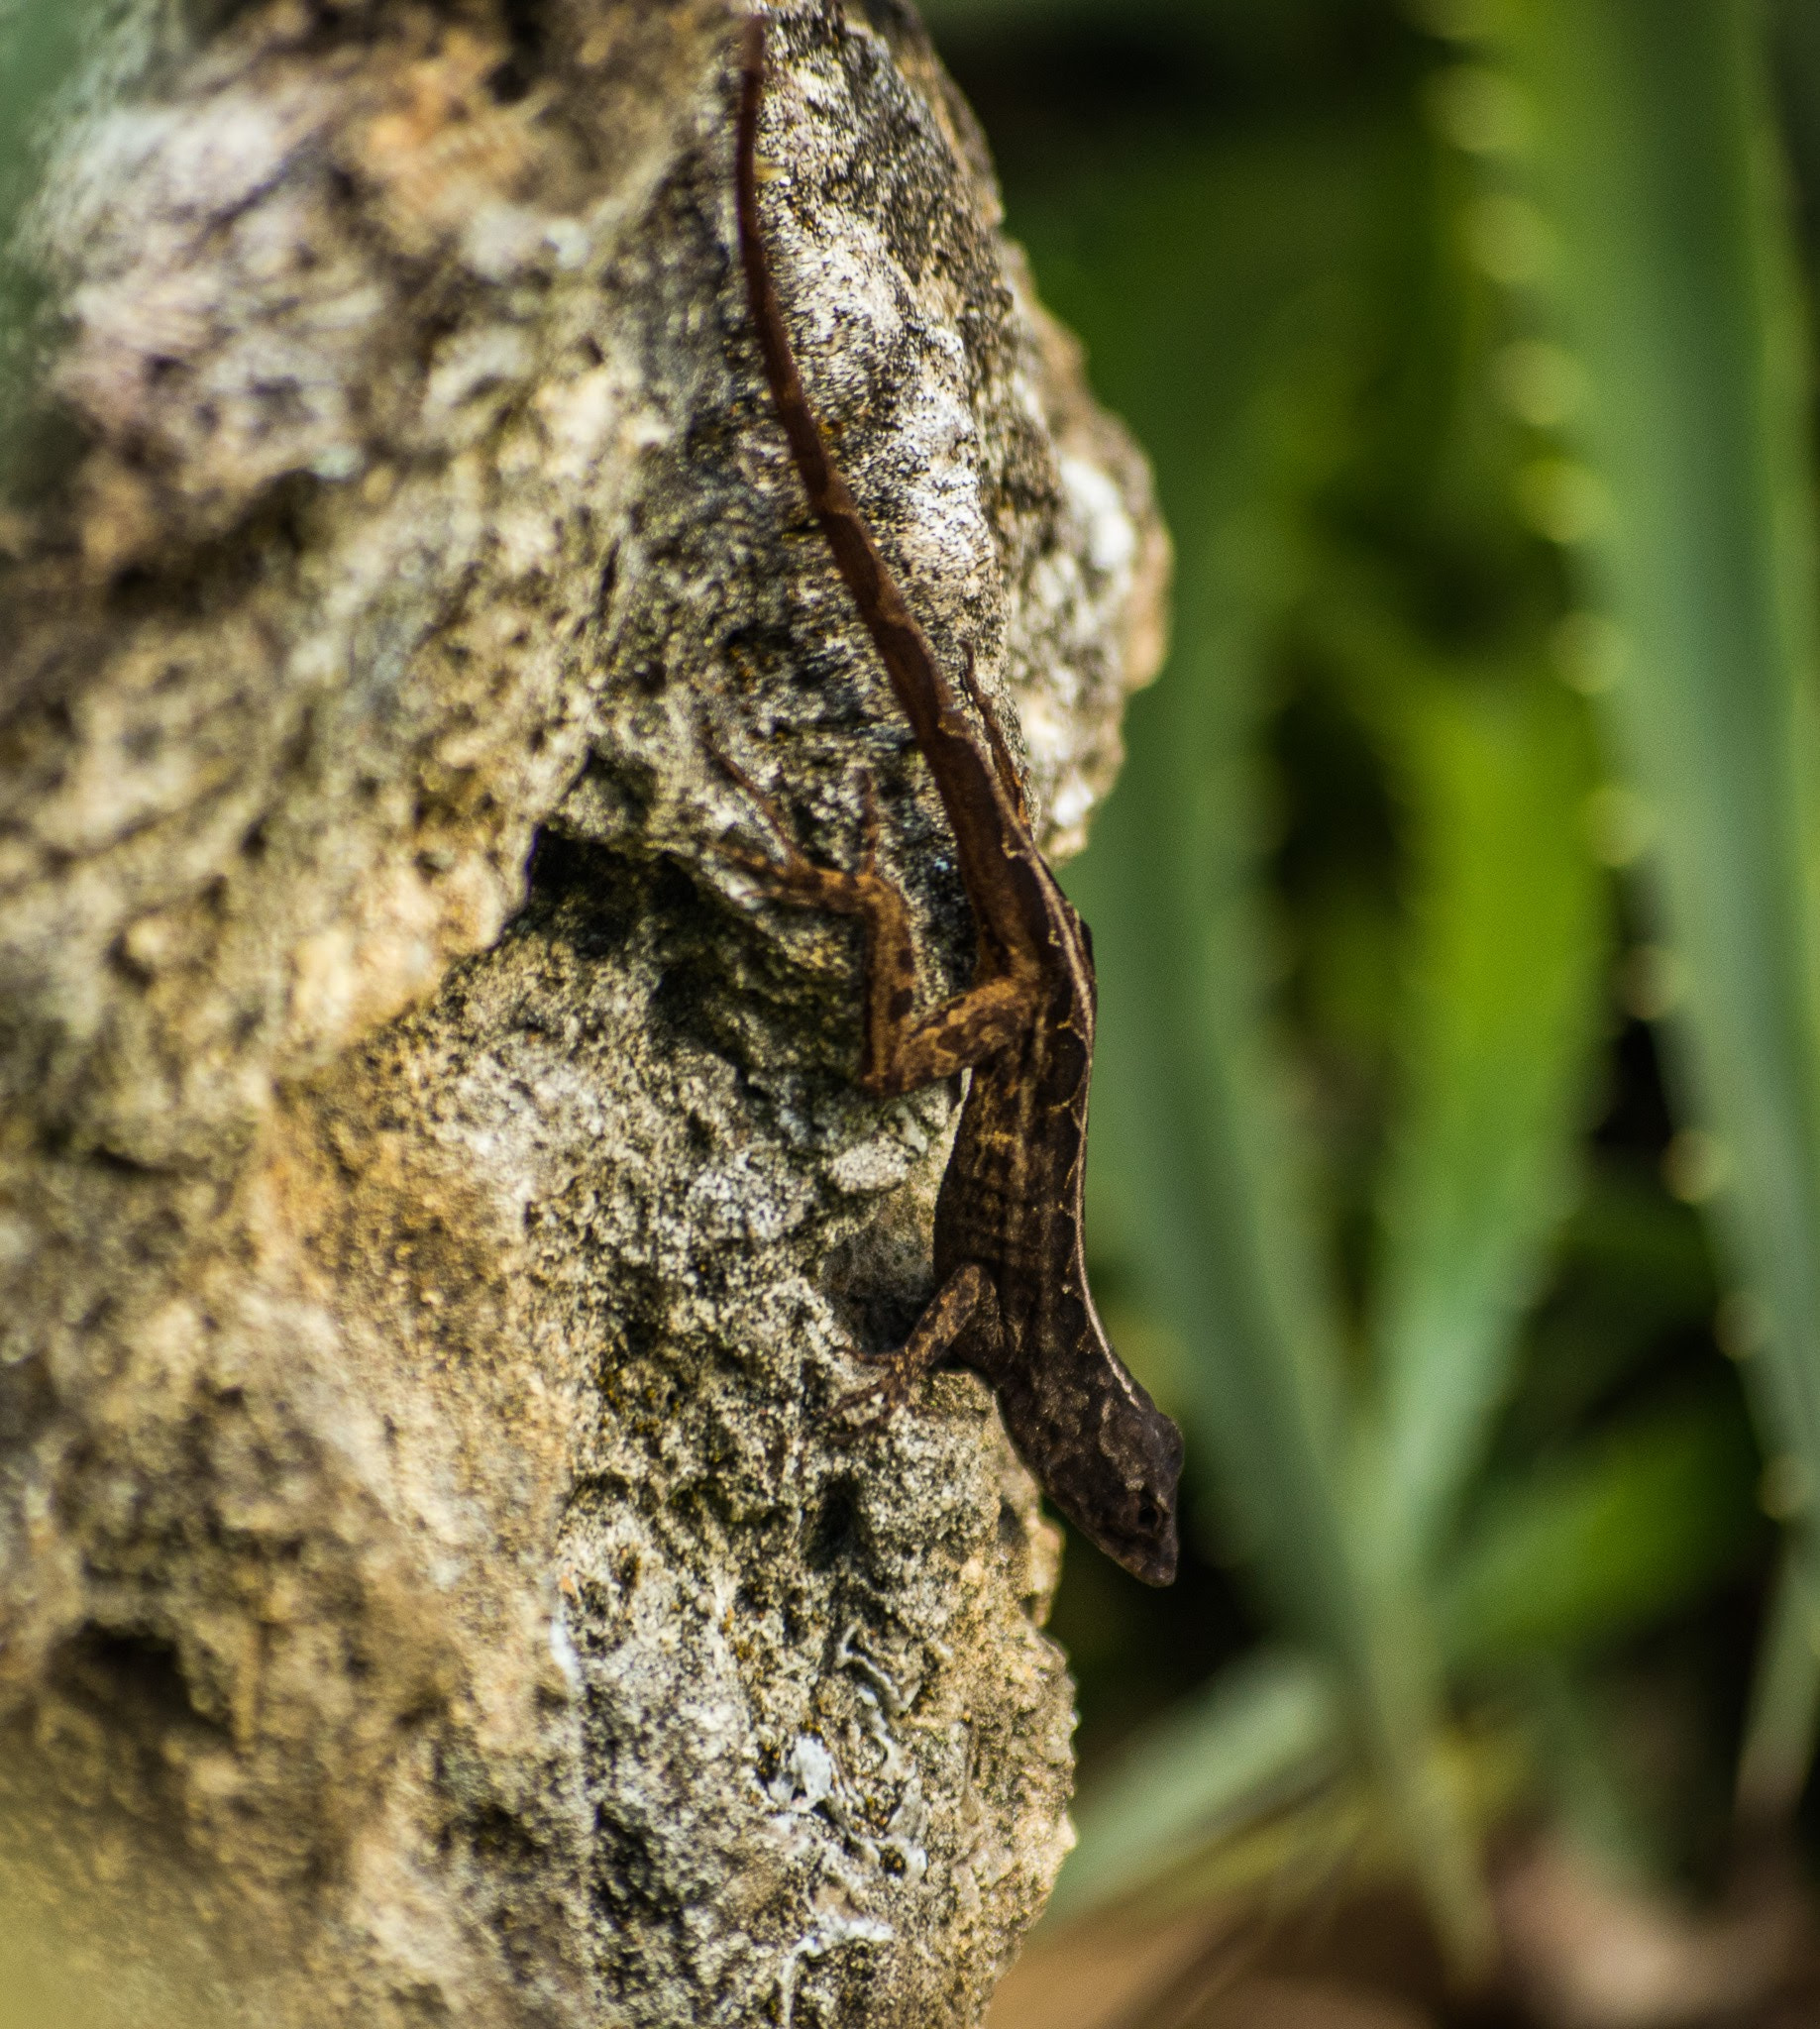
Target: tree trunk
x,y
438,1580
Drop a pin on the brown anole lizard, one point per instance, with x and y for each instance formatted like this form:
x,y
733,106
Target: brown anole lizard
x,y
1012,1300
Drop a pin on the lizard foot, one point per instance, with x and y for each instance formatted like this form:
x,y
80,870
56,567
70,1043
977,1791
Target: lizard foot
x,y
903,1367
966,1299
790,875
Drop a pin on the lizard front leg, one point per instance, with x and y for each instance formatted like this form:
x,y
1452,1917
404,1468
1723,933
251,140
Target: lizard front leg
x,y
900,1055
902,1050
967,1301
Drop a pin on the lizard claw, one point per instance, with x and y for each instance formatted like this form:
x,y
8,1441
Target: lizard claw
x,y
792,874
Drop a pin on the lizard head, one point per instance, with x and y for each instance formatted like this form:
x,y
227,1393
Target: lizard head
x,y
1127,1505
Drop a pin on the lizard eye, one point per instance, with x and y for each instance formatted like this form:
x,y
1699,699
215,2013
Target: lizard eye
x,y
1148,1513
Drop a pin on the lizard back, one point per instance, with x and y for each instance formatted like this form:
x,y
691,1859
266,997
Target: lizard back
x,y
1011,1200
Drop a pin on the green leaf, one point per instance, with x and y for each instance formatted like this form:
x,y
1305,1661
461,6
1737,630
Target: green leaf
x,y
1193,1171
1663,257
1264,1730
1785,1695
39,50
1504,1006
1194,1161
1605,1540
1634,1268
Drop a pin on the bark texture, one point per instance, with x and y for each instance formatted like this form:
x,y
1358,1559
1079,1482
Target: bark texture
x,y
437,1211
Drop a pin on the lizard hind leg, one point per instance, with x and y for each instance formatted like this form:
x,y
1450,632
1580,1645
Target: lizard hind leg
x,y
967,1301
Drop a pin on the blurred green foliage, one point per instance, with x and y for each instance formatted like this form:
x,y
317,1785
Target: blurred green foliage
x,y
1457,1101
40,46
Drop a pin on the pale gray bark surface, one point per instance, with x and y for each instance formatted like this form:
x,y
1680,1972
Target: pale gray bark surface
x,y
431,1584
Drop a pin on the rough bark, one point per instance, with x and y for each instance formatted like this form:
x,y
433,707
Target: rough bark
x,y
437,1210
